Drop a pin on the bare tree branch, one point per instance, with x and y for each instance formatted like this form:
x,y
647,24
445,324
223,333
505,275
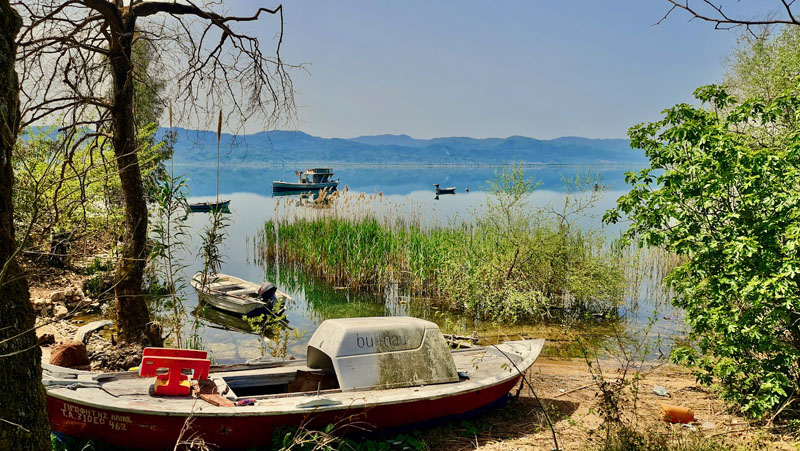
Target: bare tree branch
x,y
709,11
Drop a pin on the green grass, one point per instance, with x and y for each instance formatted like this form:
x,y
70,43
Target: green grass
x,y
464,267
511,262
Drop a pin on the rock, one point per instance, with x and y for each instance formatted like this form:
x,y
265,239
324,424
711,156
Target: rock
x,y
131,361
115,358
660,391
57,296
74,301
69,354
707,425
60,310
41,305
45,339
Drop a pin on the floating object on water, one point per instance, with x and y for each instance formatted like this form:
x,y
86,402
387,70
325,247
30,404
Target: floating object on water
x,y
676,414
205,207
386,372
448,190
309,180
232,294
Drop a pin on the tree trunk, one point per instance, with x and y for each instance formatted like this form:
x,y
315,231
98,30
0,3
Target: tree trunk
x,y
132,314
23,416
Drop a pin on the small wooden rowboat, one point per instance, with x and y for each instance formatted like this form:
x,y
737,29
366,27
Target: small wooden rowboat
x,y
448,190
374,373
235,295
205,207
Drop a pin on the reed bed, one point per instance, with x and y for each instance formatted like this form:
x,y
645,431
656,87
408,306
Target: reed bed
x,y
366,243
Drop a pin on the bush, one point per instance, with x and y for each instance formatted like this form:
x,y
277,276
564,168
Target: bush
x,y
723,191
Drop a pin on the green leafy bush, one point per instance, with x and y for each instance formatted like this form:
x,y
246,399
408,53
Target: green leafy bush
x,y
723,192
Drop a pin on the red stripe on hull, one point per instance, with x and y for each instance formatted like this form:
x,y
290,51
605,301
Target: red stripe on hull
x,y
154,432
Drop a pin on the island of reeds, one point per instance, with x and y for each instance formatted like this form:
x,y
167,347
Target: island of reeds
x,y
509,262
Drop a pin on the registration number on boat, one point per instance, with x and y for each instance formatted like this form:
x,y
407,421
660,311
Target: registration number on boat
x,y
92,416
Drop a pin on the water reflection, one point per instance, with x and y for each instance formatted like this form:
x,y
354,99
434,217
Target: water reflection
x,y
409,191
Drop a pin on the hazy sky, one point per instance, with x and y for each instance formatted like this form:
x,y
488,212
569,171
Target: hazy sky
x,y
543,69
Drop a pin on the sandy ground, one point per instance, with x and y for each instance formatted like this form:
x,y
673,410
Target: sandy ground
x,y
567,390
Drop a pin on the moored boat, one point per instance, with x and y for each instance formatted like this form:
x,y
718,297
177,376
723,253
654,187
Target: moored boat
x,y
448,190
313,179
373,373
238,296
203,207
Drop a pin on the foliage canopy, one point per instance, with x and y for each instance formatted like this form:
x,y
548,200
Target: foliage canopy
x,y
728,202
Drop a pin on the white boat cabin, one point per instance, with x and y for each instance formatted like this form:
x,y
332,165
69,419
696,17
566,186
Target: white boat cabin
x,y
382,352
353,354
314,175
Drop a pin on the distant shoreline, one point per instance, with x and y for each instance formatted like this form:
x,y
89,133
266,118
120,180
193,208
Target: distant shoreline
x,y
410,165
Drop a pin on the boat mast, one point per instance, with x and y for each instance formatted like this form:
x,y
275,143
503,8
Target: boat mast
x,y
172,159
219,135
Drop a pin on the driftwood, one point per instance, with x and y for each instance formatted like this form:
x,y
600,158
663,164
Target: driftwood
x,y
83,332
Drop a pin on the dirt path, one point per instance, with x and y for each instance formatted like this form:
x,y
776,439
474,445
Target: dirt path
x,y
566,388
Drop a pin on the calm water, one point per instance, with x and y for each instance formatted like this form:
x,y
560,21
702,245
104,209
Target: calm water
x,y
407,190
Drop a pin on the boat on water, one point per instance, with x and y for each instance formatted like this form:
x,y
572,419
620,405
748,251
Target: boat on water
x,y
238,296
313,179
217,205
205,207
369,373
448,190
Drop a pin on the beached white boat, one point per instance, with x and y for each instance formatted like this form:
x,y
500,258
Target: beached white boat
x,y
371,373
235,295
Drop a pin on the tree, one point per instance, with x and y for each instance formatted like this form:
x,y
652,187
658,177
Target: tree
x,y
765,65
784,13
70,50
23,418
728,202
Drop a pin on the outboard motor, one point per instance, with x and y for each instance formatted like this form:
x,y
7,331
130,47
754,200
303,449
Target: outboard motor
x,y
267,294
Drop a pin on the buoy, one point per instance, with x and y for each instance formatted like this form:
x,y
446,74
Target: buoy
x,y
676,414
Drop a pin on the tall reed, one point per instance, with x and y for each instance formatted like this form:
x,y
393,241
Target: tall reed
x,y
511,262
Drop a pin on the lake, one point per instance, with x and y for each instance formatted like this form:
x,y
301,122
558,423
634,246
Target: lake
x,y
401,190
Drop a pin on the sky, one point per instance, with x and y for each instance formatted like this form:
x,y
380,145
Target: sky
x,y
538,68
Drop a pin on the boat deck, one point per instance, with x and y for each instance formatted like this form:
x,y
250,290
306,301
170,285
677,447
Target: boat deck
x,y
126,392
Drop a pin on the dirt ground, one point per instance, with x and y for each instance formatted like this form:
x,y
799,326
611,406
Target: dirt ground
x,y
567,390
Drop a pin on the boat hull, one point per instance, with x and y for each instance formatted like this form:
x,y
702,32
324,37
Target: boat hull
x,y
235,304
279,186
238,431
205,207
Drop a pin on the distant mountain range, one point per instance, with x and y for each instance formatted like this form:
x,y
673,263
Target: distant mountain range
x,y
278,147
